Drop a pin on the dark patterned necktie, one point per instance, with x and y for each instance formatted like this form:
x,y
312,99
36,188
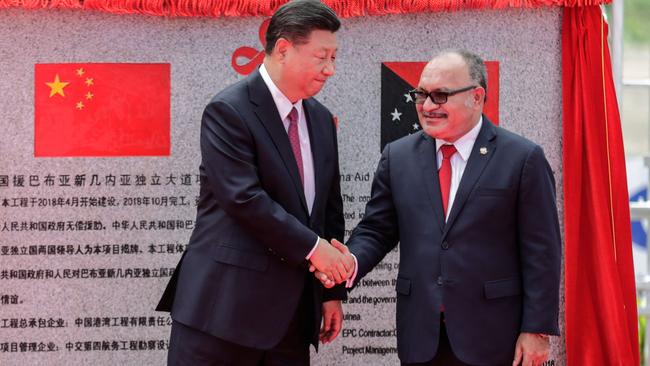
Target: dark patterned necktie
x,y
294,139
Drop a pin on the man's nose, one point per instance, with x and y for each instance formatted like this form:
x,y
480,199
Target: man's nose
x,y
330,68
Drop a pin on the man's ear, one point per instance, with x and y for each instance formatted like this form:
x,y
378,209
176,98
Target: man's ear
x,y
281,47
479,95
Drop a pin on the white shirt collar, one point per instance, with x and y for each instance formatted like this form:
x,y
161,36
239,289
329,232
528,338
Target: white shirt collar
x,y
283,103
465,143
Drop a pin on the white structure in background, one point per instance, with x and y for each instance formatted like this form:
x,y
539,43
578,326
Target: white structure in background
x,y
637,178
637,182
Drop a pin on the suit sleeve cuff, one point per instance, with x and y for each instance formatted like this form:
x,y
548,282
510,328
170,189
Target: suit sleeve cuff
x,y
313,249
350,281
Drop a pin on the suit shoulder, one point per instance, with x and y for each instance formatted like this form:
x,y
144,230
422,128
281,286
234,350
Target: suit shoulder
x,y
408,141
233,93
513,140
317,106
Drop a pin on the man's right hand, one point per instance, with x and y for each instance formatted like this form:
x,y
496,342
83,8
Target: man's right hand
x,y
334,262
531,350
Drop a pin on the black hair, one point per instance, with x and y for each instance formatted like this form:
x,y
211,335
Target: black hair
x,y
296,20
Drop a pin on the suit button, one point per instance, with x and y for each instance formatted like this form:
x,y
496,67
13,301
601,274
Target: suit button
x,y
440,282
445,245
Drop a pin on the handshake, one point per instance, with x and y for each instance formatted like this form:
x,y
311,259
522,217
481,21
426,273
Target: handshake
x,y
332,263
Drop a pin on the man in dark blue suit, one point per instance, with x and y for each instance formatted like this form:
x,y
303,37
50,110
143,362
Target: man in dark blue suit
x,y
474,209
241,294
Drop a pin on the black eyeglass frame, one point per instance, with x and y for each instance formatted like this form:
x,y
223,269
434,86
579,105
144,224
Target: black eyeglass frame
x,y
437,96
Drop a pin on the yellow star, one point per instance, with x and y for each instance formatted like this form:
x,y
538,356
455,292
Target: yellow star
x,y
89,95
89,81
80,105
80,72
56,87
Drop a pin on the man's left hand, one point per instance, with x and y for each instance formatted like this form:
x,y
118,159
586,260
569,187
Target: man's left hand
x,y
531,350
322,277
332,321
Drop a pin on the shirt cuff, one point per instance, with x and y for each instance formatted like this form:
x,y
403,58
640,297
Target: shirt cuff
x,y
313,249
350,281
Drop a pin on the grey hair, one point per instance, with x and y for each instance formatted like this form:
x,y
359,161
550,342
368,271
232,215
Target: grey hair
x,y
475,66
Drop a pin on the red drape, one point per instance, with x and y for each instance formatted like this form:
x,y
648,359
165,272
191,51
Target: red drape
x,y
239,8
601,316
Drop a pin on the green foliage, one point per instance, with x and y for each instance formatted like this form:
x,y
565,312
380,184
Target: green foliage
x,y
636,21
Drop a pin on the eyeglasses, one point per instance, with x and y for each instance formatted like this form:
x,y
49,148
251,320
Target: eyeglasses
x,y
438,97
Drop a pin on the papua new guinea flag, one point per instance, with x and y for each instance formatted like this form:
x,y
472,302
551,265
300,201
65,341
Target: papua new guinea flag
x,y
398,115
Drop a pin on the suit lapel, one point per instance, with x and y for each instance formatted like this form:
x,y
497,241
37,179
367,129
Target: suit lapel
x,y
268,114
482,152
426,153
314,126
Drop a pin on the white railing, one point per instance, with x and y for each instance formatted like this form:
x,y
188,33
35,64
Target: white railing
x,y
640,211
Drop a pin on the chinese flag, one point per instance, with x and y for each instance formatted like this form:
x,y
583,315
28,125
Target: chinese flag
x,y
101,110
398,115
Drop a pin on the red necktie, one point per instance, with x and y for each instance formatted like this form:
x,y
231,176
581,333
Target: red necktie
x,y
444,174
294,139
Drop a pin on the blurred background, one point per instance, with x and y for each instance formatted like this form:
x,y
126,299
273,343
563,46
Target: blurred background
x,y
629,22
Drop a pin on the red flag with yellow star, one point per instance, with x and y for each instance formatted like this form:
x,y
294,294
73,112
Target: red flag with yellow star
x,y
101,109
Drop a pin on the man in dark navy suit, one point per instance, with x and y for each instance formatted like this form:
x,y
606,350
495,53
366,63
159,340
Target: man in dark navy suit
x,y
473,207
242,293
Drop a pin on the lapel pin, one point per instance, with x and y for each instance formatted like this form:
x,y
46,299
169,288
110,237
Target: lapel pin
x,y
483,150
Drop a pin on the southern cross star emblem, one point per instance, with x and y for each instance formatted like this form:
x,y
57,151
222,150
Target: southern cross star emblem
x,y
396,114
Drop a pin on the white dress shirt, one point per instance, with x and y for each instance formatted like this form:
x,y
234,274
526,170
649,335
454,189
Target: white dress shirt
x,y
284,106
458,161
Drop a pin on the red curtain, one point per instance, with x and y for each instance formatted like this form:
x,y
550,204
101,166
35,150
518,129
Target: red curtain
x,y
239,8
601,316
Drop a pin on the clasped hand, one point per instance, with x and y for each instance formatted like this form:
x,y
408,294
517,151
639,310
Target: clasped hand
x,y
331,263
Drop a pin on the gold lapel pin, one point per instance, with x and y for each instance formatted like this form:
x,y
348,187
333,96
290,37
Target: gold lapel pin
x,y
483,150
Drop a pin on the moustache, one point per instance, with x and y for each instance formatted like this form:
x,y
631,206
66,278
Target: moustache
x,y
434,114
